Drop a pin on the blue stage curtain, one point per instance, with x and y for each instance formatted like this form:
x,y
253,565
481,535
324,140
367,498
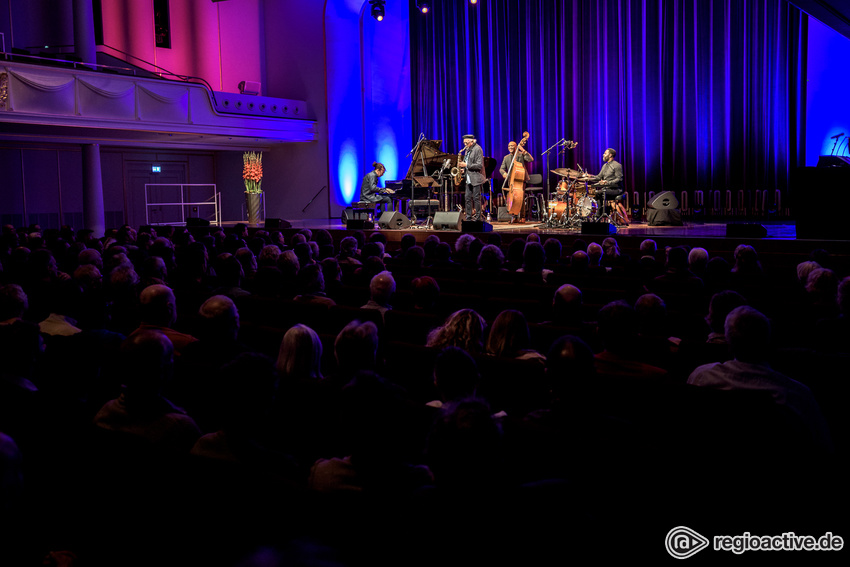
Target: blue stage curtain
x,y
693,94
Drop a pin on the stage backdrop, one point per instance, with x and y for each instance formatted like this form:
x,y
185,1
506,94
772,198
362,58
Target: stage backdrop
x,y
693,94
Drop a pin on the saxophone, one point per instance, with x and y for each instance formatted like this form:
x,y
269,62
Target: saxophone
x,y
458,173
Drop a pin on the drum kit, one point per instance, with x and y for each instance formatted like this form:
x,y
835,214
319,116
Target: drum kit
x,y
573,203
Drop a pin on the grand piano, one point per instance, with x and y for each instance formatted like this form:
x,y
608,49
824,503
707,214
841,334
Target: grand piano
x,y
428,185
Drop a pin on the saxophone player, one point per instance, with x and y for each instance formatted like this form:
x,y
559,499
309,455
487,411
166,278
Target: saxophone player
x,y
474,167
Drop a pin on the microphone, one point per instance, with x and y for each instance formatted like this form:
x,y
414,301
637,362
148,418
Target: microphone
x,y
837,136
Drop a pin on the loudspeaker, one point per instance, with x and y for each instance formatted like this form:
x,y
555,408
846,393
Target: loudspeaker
x,y
665,200
275,224
195,221
807,202
359,224
476,226
248,87
598,228
393,220
663,217
350,213
834,161
447,220
504,215
748,230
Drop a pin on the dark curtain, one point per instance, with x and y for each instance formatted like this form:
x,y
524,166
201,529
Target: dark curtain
x,y
693,94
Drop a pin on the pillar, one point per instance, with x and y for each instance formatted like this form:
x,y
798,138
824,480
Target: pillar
x,y
93,215
84,46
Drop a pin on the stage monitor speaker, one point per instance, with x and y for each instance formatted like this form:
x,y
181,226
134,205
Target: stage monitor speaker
x,y
504,215
665,200
476,226
360,224
351,213
447,220
834,161
393,220
195,221
277,224
746,230
813,217
598,228
663,217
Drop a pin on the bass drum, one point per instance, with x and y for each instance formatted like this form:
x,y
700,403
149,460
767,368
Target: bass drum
x,y
557,210
586,207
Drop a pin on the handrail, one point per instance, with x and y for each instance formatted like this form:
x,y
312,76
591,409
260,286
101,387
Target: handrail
x,y
162,73
7,55
162,70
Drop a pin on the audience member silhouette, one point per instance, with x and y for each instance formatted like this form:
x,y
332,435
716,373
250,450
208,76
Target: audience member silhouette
x,y
141,410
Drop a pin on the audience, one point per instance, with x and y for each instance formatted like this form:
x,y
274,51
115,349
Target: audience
x,y
349,407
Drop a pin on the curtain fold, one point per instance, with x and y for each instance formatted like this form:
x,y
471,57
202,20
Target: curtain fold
x,y
693,94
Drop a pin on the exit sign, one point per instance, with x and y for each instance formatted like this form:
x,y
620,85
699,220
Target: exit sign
x,y
156,169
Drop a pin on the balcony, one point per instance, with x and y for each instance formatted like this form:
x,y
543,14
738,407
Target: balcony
x,y
41,103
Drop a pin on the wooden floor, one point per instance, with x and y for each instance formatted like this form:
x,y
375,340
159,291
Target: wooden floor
x,y
782,230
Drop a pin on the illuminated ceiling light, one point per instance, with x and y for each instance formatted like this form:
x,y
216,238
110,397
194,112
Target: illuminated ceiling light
x,y
424,6
473,1
378,9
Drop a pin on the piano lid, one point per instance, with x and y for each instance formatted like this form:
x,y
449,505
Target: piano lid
x,y
426,161
429,157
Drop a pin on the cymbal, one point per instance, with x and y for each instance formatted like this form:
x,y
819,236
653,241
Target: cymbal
x,y
564,172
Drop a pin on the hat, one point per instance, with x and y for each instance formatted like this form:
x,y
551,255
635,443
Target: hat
x,y
468,137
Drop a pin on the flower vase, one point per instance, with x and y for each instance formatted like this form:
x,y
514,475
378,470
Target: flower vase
x,y
253,203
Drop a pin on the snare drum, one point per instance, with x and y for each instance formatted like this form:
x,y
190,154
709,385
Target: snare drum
x,y
557,209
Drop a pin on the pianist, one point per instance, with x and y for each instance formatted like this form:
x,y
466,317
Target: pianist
x,y
369,190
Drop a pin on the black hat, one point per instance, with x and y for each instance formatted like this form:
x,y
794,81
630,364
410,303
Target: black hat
x,y
468,137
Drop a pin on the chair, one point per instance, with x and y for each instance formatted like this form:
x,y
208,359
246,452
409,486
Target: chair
x,y
534,194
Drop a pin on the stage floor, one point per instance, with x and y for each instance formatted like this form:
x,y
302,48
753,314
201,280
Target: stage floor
x,y
777,230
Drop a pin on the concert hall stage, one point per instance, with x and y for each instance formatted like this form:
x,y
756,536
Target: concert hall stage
x,y
781,236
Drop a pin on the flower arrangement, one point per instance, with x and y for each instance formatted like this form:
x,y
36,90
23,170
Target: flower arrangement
x,y
252,171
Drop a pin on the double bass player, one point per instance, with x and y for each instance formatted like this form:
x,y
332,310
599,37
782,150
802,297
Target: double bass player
x,y
508,165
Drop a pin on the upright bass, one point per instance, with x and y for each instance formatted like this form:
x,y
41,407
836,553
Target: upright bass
x,y
516,181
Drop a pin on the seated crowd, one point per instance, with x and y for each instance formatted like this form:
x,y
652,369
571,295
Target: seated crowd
x,y
164,396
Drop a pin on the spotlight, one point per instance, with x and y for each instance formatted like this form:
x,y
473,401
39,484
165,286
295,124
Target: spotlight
x,y
424,6
378,9
473,1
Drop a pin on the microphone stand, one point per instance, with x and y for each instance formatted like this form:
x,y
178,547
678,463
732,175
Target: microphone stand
x,y
548,177
314,198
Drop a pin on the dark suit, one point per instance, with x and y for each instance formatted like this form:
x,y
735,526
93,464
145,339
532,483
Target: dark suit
x,y
370,192
475,179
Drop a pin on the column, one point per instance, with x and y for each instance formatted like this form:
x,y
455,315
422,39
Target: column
x,y
84,46
93,215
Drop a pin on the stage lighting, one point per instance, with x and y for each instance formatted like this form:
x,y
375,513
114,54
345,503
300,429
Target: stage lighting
x,y
378,9
424,6
473,1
